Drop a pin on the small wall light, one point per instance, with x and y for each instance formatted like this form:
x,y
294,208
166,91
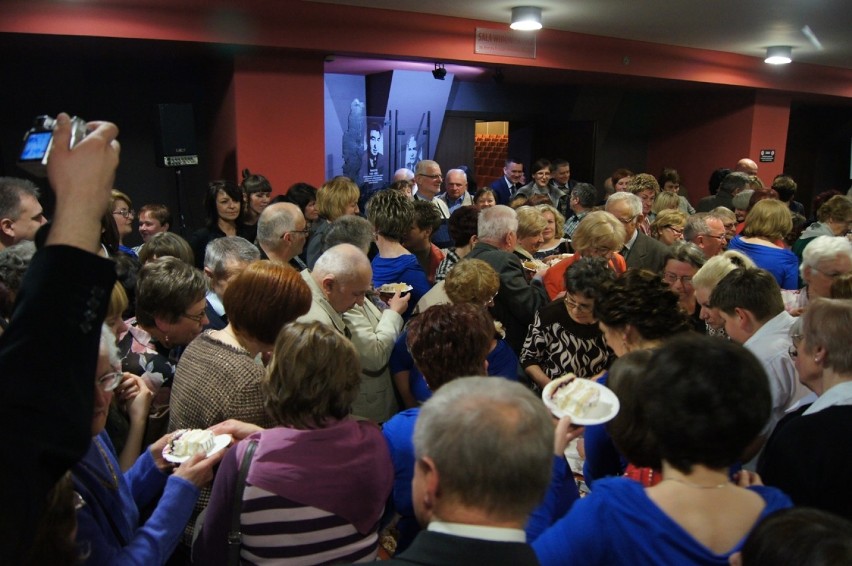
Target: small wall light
x,y
526,18
779,55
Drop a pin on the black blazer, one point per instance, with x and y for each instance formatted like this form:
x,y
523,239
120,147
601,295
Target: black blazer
x,y
517,301
48,357
501,190
438,549
216,321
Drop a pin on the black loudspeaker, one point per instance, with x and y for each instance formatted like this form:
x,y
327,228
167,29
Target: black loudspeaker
x,y
175,139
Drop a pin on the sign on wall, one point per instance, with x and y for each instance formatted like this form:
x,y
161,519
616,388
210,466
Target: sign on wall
x,y
505,43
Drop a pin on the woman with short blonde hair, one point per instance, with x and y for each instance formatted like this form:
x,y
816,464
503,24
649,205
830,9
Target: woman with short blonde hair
x,y
338,197
766,225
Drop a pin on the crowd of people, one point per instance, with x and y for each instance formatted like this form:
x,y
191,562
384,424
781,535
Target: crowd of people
x,y
380,371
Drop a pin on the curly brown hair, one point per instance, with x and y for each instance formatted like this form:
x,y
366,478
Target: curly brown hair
x,y
313,376
450,341
641,299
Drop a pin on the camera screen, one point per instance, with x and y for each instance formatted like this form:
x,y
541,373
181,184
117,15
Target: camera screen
x,y
36,146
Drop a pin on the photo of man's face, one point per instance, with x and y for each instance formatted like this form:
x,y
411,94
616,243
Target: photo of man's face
x,y
375,142
411,155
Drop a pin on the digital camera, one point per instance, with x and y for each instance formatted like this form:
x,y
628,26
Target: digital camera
x,y
37,142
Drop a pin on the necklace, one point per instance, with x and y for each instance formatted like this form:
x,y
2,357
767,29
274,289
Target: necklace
x,y
698,486
113,485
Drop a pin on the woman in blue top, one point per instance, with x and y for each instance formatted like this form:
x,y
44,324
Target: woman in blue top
x,y
470,281
446,342
108,527
762,239
392,215
696,416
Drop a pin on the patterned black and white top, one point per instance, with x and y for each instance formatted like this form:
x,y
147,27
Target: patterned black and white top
x,y
559,345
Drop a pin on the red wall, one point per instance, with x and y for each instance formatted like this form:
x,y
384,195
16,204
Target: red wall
x,y
279,109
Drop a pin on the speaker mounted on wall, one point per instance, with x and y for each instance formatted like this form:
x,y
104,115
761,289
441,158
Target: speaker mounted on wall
x,y
175,138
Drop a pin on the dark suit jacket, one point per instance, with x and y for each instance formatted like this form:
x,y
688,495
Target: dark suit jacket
x,y
48,357
438,549
216,321
517,301
707,204
647,253
501,191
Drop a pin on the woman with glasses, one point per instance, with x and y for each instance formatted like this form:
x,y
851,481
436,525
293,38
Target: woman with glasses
x,y
540,184
170,303
668,226
123,214
219,374
108,518
762,240
564,336
683,262
808,454
599,234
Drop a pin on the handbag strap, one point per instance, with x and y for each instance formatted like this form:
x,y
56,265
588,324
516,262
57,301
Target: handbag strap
x,y
234,534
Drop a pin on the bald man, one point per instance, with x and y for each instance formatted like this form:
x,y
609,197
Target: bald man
x,y
282,232
747,166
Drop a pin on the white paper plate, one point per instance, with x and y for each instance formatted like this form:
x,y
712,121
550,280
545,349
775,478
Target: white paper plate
x,y
387,289
604,411
220,442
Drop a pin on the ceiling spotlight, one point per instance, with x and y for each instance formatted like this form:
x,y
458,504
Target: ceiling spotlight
x,y
440,72
526,18
779,55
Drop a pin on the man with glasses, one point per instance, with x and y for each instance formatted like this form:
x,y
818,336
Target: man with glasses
x,y
282,233
707,232
749,301
506,186
640,251
428,178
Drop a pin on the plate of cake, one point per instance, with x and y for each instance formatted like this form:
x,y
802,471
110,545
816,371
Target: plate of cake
x,y
587,402
187,442
534,265
391,288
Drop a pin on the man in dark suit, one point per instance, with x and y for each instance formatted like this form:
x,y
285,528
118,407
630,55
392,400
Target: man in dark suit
x,y
518,299
475,514
224,259
640,251
46,408
505,187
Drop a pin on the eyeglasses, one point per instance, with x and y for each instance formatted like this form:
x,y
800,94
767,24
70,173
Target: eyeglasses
x,y
627,220
433,177
109,381
196,317
677,231
580,308
670,278
793,350
717,236
127,213
302,232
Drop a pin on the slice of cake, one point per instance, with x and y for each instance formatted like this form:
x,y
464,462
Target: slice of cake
x,y
576,397
191,442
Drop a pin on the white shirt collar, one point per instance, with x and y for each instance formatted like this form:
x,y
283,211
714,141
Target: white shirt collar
x,y
216,303
840,394
629,245
496,534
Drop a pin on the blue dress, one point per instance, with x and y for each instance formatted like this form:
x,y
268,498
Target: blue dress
x,y
781,263
619,524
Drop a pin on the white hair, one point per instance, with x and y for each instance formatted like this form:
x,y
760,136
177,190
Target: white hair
x,y
634,202
495,222
825,248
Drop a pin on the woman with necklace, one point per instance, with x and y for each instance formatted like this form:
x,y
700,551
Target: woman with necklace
x,y
108,528
698,415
